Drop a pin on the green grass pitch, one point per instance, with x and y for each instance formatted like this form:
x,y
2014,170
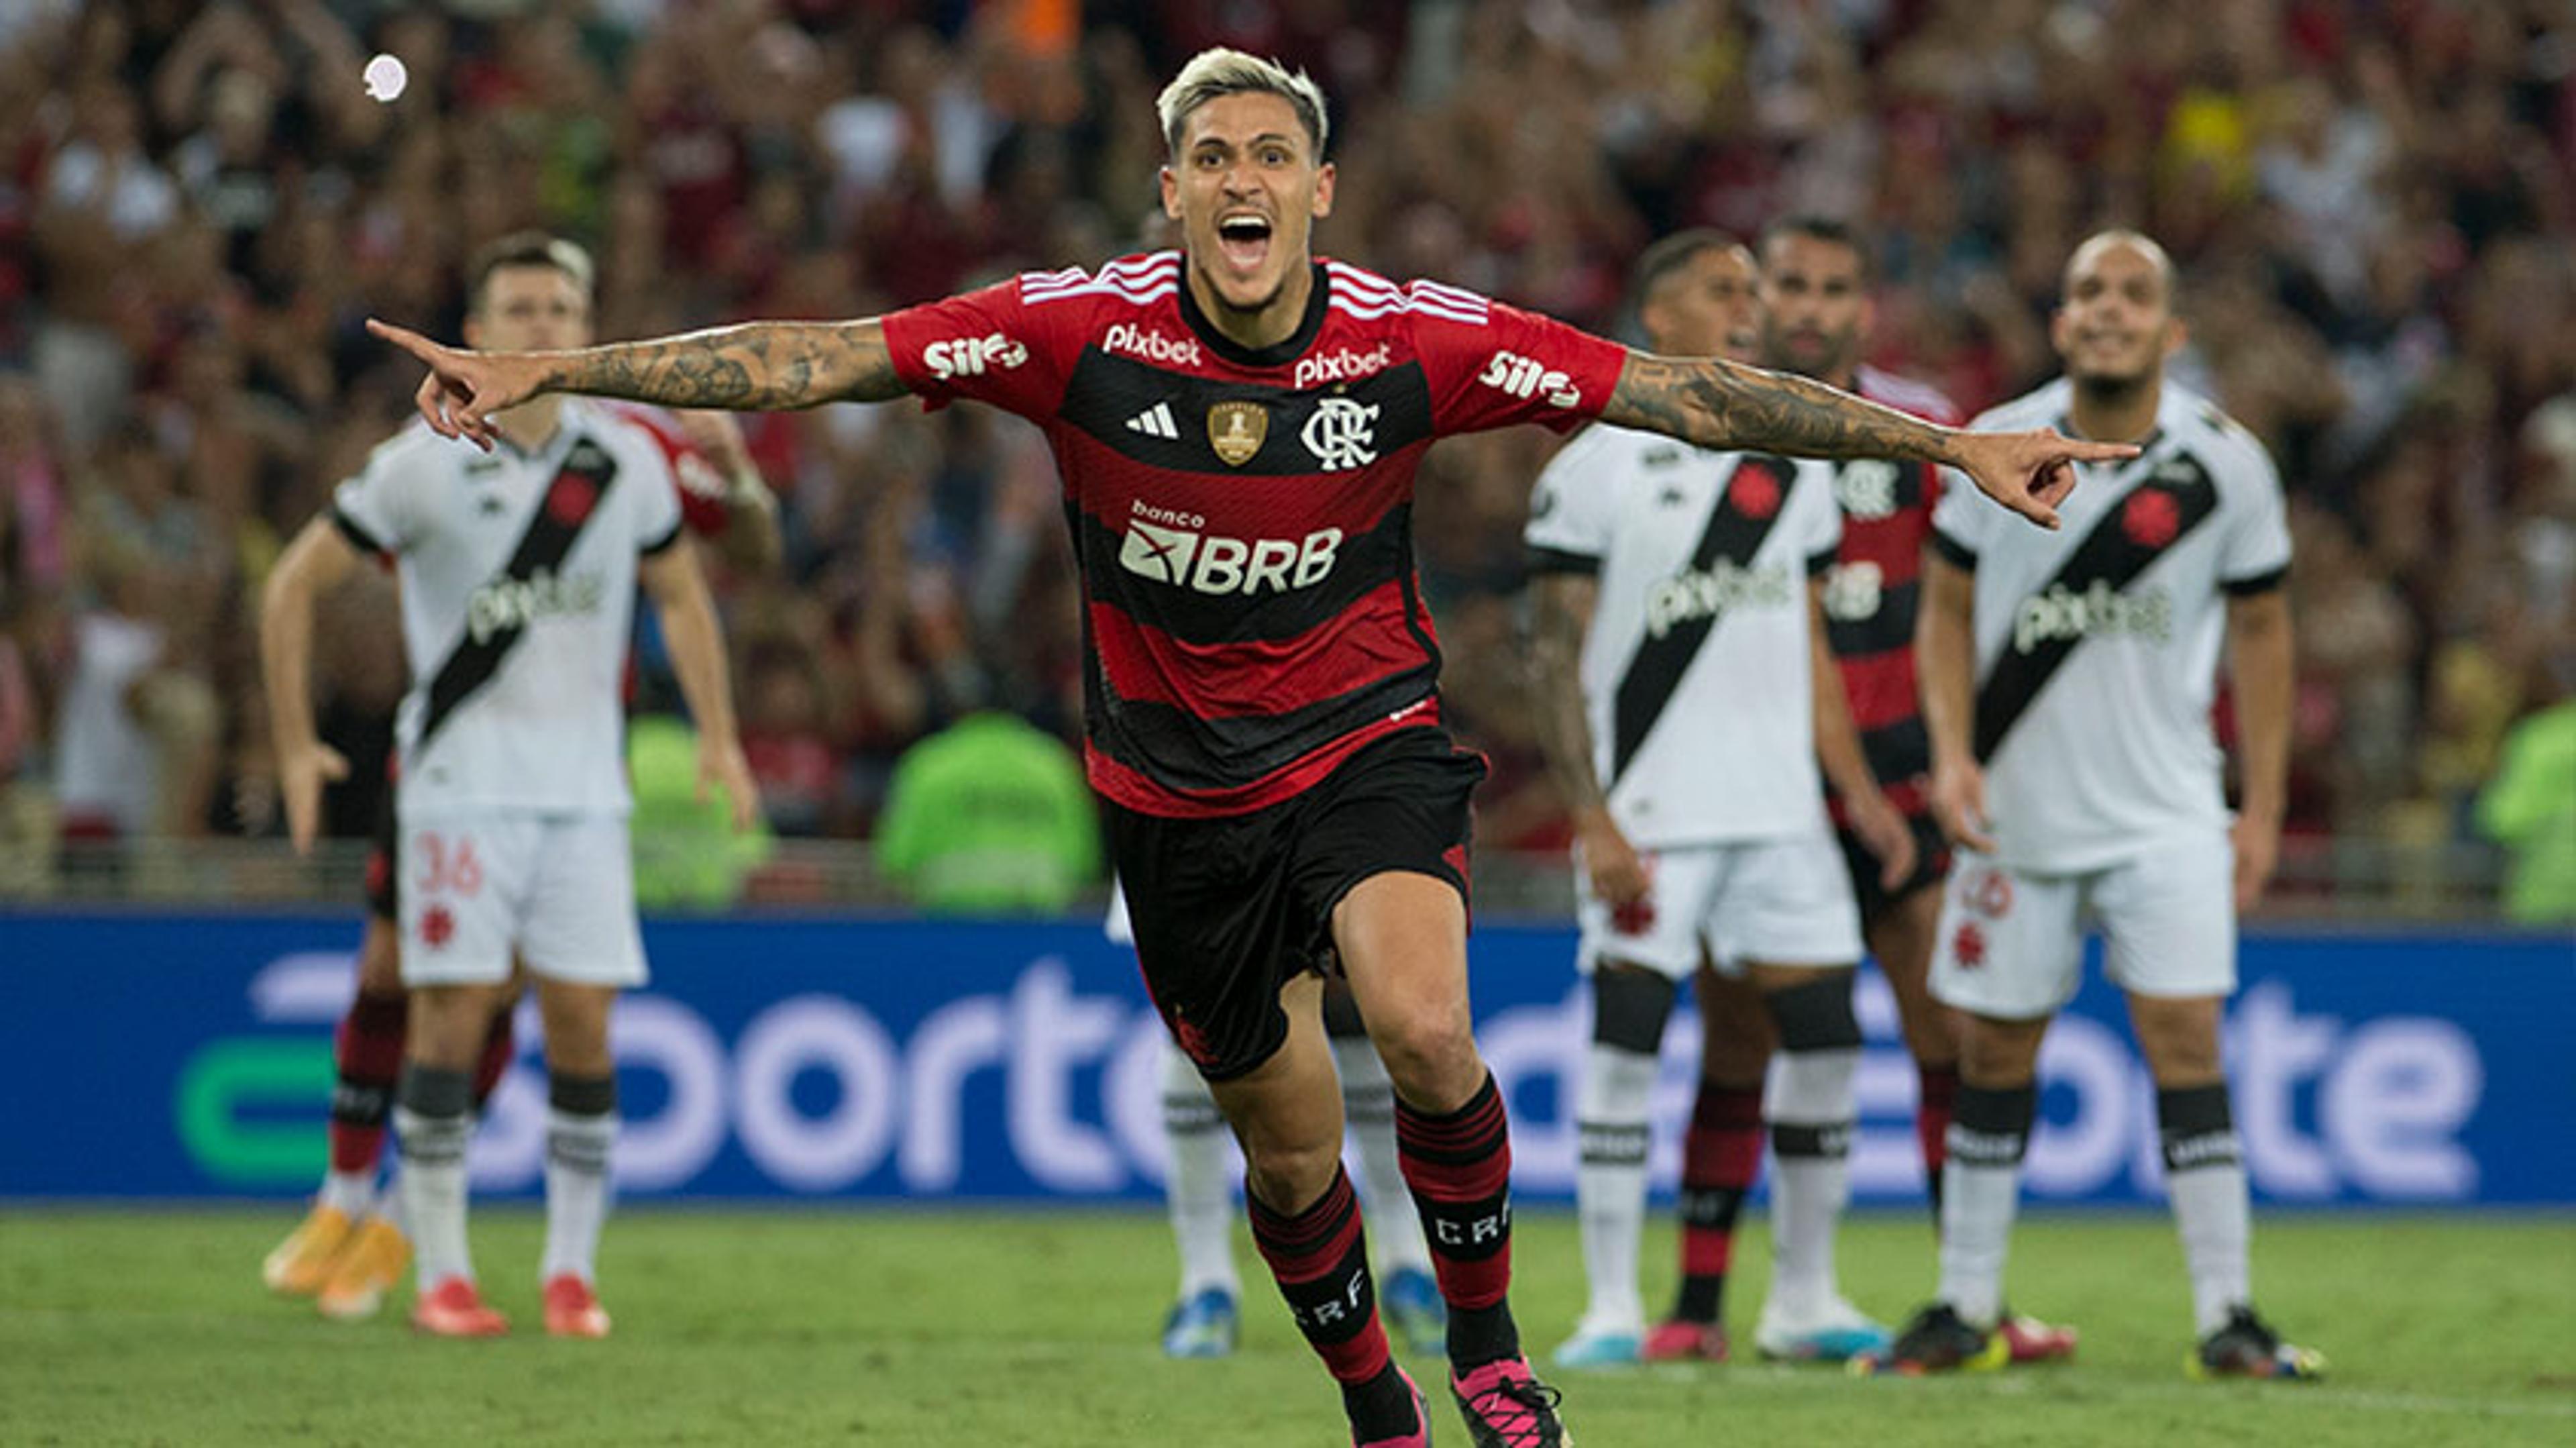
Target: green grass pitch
x,y
975,1327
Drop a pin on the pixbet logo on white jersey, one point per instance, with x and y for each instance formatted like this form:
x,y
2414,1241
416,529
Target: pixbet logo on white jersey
x,y
2062,613
1342,365
1518,375
1173,547
973,356
1151,345
506,603
1691,594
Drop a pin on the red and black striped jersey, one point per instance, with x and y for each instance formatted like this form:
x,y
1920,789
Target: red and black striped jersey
x,y
1243,519
1873,591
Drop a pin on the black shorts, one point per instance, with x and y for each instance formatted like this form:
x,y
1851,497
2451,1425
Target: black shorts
x,y
1931,866
1229,910
384,881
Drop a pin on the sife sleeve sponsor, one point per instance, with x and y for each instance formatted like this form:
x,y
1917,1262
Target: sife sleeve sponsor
x,y
985,345
1513,366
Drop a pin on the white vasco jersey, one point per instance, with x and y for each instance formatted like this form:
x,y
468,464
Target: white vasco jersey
x,y
518,591
2098,644
1696,670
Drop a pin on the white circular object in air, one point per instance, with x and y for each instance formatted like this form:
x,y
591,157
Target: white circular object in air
x,y
386,77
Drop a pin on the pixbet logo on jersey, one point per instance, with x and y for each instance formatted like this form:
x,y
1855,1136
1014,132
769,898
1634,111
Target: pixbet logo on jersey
x,y
1172,547
1521,377
973,356
1866,488
1342,365
1691,594
2062,613
1854,591
1153,346
507,603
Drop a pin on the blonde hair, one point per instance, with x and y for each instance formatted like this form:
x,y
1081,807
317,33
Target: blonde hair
x,y
1221,72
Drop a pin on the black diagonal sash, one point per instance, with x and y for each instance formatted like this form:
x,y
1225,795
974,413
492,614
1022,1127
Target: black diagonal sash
x,y
2123,542
571,500
1659,663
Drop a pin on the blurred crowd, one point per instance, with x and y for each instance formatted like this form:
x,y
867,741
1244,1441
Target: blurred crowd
x,y
2372,203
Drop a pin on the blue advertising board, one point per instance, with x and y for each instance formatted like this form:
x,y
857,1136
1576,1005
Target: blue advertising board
x,y
189,1056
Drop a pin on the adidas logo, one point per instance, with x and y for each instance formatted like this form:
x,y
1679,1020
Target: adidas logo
x,y
1155,421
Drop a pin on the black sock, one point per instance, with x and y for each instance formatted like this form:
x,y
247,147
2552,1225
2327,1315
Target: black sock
x,y
1382,1407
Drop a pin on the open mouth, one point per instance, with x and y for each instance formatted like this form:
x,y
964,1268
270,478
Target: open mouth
x,y
1245,240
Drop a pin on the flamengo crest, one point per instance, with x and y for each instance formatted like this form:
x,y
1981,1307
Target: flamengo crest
x,y
1235,430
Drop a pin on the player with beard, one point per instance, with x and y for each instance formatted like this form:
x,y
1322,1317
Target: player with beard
x,y
1816,321
1678,620
1238,425
2067,686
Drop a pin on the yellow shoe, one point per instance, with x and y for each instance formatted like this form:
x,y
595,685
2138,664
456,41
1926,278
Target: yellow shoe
x,y
302,1263
366,1272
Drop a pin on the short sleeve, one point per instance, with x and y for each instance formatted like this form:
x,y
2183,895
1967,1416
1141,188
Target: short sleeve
x,y
2256,553
1820,534
657,511
700,487
378,510
1573,507
1490,365
1961,519
987,345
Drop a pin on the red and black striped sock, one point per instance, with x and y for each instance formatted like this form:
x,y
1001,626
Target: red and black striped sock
x,y
368,1050
1459,1166
1938,1089
1320,1256
1721,1155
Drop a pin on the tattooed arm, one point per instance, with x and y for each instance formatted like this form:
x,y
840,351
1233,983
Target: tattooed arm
x,y
1726,405
1561,614
755,367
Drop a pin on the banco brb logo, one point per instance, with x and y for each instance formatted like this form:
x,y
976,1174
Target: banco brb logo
x,y
1213,563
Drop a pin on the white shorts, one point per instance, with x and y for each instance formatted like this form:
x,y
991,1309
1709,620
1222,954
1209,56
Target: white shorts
x,y
1778,901
558,890
2012,943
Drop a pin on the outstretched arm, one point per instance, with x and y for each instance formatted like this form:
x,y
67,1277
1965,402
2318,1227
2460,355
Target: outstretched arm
x,y
754,367
1720,404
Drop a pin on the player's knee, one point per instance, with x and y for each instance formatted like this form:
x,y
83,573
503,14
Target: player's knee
x,y
2000,1054
380,959
1288,1175
1629,1008
2179,1038
1430,1052
1815,1014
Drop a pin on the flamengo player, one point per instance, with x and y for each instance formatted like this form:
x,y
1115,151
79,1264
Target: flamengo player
x,y
347,1253
1679,652
1816,318
1238,428
2067,683
518,572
